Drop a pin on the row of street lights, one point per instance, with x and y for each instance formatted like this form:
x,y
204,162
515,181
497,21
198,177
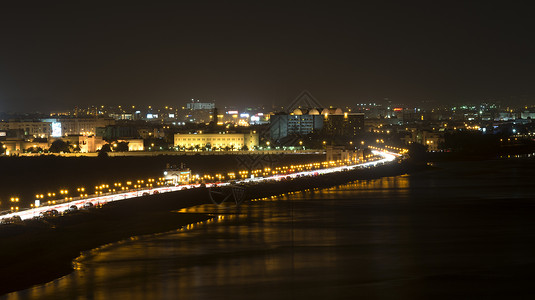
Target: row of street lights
x,y
99,190
151,182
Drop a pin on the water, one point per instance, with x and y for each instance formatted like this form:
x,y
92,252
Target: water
x,y
463,230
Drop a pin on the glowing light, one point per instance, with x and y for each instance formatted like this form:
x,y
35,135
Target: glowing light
x,y
336,166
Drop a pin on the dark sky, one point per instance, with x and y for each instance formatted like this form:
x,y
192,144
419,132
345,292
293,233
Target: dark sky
x,y
56,55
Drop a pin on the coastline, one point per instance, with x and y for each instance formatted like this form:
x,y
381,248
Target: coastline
x,y
49,247
41,251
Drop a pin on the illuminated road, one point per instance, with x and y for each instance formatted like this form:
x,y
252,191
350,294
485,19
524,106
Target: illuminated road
x,y
34,212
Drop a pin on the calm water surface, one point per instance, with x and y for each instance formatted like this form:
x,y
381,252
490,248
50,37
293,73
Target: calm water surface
x,y
463,230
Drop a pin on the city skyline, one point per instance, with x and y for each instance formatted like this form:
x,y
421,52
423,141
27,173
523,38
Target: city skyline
x,y
266,150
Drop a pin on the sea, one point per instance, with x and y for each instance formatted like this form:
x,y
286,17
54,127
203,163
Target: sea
x,y
459,230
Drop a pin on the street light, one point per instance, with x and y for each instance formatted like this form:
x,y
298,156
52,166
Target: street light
x,y
14,200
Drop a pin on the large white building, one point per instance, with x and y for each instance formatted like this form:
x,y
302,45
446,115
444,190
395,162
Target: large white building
x,y
83,126
76,130
36,129
217,140
45,128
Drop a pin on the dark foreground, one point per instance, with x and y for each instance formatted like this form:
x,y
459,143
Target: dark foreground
x,y
40,251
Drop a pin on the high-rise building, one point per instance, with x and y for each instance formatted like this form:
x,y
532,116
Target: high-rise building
x,y
196,105
330,121
299,122
348,124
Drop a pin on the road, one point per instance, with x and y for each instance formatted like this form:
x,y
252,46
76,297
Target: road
x,y
102,199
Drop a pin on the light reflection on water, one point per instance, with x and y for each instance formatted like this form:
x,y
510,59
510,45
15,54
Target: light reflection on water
x,y
387,238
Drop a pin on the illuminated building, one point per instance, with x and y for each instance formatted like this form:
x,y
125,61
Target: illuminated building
x,y
331,121
77,126
347,124
300,122
37,129
234,141
200,105
341,153
425,137
83,126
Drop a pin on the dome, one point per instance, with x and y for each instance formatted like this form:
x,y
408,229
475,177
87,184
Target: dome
x,y
313,111
338,111
297,111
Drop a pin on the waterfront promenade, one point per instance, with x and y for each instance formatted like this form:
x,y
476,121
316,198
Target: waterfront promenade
x,y
384,157
180,153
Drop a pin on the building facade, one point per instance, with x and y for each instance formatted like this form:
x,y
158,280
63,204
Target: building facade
x,y
431,139
331,121
283,125
83,126
200,105
348,124
36,129
216,140
77,126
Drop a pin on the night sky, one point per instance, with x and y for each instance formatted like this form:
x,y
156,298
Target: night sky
x,y
57,55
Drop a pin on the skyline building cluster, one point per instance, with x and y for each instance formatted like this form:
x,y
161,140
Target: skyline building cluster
x,y
154,128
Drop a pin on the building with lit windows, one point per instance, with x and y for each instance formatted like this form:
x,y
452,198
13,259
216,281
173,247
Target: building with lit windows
x,y
77,126
331,121
346,124
234,141
431,139
36,129
299,122
196,105
83,126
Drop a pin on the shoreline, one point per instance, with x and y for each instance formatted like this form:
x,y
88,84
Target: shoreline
x,y
41,251
49,247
